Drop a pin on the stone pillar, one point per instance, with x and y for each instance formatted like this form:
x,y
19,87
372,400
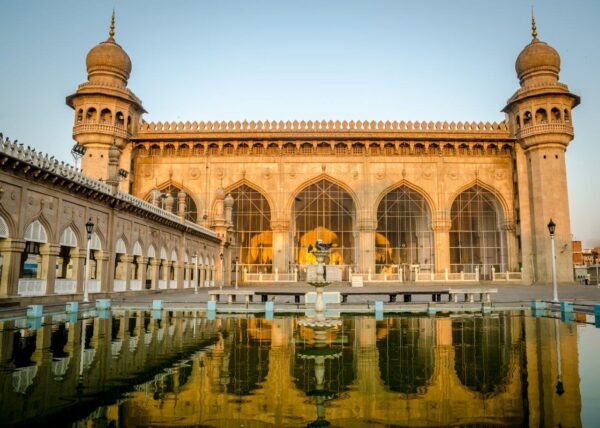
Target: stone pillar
x,y
49,253
202,275
12,251
512,251
105,277
126,260
179,274
281,245
78,256
366,245
142,263
155,197
169,201
113,166
441,237
181,205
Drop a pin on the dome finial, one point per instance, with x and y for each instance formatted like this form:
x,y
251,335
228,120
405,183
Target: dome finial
x,y
533,26
111,32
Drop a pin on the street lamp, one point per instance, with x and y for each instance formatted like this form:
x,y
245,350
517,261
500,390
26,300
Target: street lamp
x,y
236,272
89,228
196,272
222,271
552,229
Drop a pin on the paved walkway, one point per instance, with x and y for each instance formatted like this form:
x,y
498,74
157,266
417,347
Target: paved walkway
x,y
508,296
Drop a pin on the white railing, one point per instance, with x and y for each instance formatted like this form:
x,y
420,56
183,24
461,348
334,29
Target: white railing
x,y
115,348
65,286
506,276
31,287
187,283
379,277
135,284
270,277
162,284
119,285
60,366
446,276
211,283
133,343
172,283
93,286
88,357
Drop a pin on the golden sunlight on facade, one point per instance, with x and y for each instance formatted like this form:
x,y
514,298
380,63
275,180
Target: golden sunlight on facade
x,y
409,198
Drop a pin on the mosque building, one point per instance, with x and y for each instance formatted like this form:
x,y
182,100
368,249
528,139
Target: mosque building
x,y
408,198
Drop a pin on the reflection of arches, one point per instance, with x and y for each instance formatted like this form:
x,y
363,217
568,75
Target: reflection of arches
x,y
326,211
404,234
476,235
251,217
482,353
406,358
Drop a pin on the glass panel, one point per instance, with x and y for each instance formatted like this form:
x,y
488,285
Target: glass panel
x,y
404,233
251,218
324,211
476,239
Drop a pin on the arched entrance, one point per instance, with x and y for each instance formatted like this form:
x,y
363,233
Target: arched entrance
x,y
404,237
324,211
476,237
251,217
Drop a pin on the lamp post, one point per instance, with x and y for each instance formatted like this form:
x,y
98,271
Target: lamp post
x,y
222,271
236,273
196,278
89,228
552,229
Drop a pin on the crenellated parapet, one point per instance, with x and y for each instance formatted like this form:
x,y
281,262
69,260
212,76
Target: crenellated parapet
x,y
320,126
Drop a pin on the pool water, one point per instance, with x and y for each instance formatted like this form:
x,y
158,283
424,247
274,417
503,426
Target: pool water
x,y
165,368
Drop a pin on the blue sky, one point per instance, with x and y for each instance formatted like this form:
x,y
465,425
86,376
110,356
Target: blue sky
x,y
279,60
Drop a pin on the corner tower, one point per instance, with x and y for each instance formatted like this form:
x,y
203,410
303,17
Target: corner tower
x,y
106,111
539,117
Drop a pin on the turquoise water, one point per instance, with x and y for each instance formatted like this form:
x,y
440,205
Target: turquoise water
x,y
136,368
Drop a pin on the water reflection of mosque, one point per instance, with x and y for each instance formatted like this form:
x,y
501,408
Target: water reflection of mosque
x,y
495,370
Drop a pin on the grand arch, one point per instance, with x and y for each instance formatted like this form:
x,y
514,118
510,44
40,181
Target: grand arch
x,y
324,210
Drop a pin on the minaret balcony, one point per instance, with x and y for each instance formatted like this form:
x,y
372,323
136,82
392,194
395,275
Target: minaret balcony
x,y
100,128
544,128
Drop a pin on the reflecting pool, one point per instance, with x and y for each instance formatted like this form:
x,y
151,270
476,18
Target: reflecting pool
x,y
136,368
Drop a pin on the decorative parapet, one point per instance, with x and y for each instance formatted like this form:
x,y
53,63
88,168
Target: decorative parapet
x,y
47,164
321,127
113,130
544,128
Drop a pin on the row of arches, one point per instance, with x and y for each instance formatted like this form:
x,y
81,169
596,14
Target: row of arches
x,y
46,266
404,234
104,116
541,116
323,148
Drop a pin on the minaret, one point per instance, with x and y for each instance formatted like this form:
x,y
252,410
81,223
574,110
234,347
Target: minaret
x,y
106,111
539,117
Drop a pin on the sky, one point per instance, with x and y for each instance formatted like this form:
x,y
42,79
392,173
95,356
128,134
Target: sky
x,y
304,60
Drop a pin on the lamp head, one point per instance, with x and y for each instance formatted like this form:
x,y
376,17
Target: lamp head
x,y
551,227
89,228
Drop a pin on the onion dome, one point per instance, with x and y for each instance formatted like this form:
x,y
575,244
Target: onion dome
x,y
537,56
108,61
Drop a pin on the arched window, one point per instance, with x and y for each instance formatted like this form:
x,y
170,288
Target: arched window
x,y
273,149
306,149
31,259
120,119
419,149
405,149
258,149
541,116
555,114
251,217
228,149
64,262
154,150
463,149
518,121
169,150
198,149
374,149
492,149
434,149
91,115
289,148
506,150
183,150
324,211
476,239
478,150
323,148
404,235
527,118
243,149
141,151
358,148
567,116
389,149
449,149
80,115
213,149
341,149
191,212
106,116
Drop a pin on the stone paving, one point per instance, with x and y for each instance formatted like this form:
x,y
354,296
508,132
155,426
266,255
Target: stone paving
x,y
508,296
